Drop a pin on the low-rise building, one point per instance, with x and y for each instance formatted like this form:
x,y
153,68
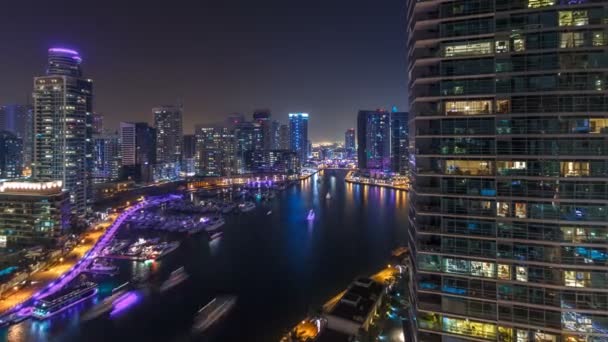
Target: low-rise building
x,y
355,310
33,213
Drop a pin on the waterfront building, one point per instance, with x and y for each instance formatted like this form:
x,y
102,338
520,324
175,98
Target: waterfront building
x,y
169,136
19,119
262,118
298,133
272,161
510,200
374,140
399,142
138,151
106,157
63,107
349,142
188,167
248,137
209,153
11,155
33,213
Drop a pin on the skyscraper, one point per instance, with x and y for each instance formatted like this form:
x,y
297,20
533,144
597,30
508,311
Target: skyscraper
x,y
284,138
169,135
298,131
11,155
349,142
399,142
97,123
138,151
19,120
374,140
63,107
509,205
262,118
209,154
106,157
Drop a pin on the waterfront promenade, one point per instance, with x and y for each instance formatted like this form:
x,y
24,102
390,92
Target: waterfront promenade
x,y
50,281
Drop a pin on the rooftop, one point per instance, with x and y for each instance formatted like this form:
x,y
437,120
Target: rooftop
x,y
358,300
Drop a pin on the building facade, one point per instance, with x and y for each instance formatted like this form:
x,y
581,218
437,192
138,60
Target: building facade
x,y
272,161
11,155
19,120
374,140
349,143
33,213
106,157
138,151
510,199
63,107
169,144
284,142
298,133
399,143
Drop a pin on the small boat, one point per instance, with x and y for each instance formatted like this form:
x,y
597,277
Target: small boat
x,y
63,300
213,312
177,277
166,248
103,267
215,235
106,304
214,224
246,207
269,212
328,196
311,215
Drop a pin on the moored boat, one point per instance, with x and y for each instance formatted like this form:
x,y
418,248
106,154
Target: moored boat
x,y
213,312
63,300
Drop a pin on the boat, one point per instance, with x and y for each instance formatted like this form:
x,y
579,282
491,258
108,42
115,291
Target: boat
x,y
311,215
215,235
228,208
106,304
328,196
102,267
246,207
177,277
166,248
214,224
63,300
213,312
269,212
136,248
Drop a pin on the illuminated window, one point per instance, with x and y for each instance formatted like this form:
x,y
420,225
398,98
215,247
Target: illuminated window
x,y
470,328
544,337
456,266
468,107
502,46
574,169
503,106
521,273
599,38
468,167
467,49
502,209
505,334
520,210
571,40
540,3
577,279
573,18
519,44
504,272
522,336
511,167
598,125
483,269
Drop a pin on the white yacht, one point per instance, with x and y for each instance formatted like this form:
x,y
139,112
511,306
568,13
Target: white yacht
x,y
214,224
177,277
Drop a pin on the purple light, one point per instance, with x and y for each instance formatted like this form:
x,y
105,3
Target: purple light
x,y
70,51
124,302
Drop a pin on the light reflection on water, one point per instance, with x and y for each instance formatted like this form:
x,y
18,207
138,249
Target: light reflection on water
x,y
280,265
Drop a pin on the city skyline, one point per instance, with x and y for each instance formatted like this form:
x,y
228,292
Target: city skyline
x,y
207,73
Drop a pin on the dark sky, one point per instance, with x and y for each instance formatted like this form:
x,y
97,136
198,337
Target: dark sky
x,y
326,57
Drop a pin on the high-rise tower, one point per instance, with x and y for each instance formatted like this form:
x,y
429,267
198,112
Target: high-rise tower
x,y
298,131
169,140
63,107
510,198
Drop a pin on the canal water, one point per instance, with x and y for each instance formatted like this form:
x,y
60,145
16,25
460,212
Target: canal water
x,y
280,266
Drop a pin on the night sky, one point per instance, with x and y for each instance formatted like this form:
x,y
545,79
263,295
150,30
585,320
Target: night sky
x,y
329,58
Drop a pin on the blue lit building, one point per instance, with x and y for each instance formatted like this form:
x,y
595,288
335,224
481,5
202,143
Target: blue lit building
x,y
374,140
298,130
11,155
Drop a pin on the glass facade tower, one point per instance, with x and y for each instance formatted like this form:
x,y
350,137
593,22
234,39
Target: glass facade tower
x,y
509,207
